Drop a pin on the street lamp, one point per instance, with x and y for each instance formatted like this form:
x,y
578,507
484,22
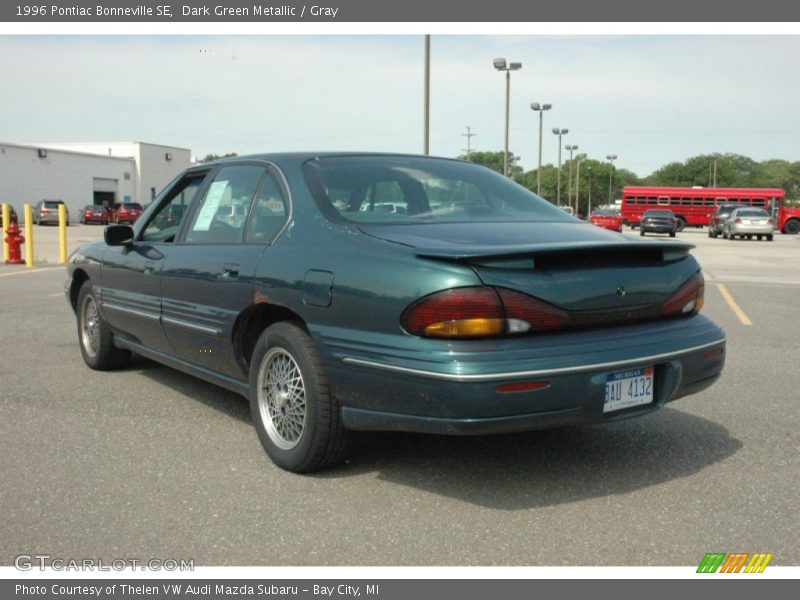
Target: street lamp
x,y
610,158
540,108
578,186
569,178
589,205
559,133
500,65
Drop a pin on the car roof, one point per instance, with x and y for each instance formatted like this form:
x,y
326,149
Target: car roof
x,y
301,157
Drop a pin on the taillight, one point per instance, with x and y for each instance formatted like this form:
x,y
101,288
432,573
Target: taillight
x,y
688,299
738,220
770,221
480,312
457,313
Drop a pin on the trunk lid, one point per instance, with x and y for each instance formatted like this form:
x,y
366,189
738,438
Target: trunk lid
x,y
574,266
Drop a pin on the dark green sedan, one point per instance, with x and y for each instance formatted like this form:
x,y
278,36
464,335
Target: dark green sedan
x,y
343,292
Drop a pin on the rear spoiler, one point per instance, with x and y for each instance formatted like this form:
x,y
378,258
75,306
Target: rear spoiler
x,y
467,252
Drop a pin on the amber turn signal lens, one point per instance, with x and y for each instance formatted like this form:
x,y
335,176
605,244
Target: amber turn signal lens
x,y
466,328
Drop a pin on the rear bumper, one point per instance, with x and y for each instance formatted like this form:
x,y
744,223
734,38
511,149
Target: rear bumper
x,y
751,229
658,228
463,399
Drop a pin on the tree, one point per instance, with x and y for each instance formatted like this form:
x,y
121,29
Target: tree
x,y
210,157
494,161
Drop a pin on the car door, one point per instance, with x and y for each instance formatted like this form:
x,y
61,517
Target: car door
x,y
131,285
207,280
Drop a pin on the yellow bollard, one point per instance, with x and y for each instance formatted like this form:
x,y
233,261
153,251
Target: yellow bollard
x,y
6,222
62,234
28,236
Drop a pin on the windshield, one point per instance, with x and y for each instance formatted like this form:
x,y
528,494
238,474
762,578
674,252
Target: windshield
x,y
402,189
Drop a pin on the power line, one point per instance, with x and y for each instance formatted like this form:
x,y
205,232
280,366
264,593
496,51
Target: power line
x,y
469,135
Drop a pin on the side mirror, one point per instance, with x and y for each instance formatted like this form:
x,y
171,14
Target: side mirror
x,y
118,235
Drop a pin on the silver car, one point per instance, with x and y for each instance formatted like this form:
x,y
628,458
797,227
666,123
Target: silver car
x,y
747,222
46,211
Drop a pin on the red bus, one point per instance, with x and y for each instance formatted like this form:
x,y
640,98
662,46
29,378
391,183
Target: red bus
x,y
694,205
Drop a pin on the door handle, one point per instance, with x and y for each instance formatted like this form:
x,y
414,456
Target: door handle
x,y
230,271
149,268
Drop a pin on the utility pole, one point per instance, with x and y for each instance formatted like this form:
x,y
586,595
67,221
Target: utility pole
x,y
427,101
469,135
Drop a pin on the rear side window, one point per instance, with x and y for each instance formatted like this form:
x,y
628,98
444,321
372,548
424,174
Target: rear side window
x,y
269,212
221,215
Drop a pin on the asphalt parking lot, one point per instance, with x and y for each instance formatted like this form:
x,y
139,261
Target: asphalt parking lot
x,y
150,463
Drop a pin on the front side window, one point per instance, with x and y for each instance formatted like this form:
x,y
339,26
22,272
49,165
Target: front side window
x,y
400,189
222,213
163,225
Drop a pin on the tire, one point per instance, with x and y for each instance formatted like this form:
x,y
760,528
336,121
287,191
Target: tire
x,y
792,227
315,438
671,234
769,237
94,334
758,237
641,232
681,224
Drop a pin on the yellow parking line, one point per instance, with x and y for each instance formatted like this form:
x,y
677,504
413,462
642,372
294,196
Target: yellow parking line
x,y
734,307
31,271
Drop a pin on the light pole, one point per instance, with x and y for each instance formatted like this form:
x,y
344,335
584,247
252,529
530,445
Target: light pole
x,y
611,158
578,186
589,206
540,108
559,133
427,101
569,178
500,65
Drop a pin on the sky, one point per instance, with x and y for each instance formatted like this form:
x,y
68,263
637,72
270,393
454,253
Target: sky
x,y
649,99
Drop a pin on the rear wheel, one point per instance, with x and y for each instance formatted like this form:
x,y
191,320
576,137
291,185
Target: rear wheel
x,y
297,419
758,238
641,231
94,334
671,234
792,227
769,237
681,223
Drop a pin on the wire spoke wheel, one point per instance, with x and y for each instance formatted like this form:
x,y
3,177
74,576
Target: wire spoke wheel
x,y
282,398
90,326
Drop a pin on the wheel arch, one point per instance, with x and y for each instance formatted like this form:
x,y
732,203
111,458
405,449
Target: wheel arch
x,y
252,322
79,277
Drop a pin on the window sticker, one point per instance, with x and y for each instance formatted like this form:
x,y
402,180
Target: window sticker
x,y
210,206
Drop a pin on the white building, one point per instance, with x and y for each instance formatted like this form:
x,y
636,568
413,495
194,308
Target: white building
x,y
87,173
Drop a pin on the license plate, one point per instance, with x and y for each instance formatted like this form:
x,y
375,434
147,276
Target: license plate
x,y
626,389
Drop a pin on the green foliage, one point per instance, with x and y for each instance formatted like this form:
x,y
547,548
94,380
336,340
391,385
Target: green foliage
x,y
494,161
733,170
210,157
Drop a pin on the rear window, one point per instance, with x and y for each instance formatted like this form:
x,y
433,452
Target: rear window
x,y
402,189
752,212
726,210
132,206
660,214
52,203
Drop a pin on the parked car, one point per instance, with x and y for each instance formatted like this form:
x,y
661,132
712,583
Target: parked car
x,y
171,216
125,212
568,209
607,219
46,211
747,222
717,219
495,312
12,217
658,220
95,213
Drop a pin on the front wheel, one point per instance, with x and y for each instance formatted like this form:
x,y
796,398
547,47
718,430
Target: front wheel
x,y
297,419
94,334
641,232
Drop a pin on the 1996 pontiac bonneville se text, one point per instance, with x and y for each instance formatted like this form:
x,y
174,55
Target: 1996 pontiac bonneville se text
x,y
348,292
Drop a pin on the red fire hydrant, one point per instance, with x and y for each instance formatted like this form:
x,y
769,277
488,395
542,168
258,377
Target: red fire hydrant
x,y
14,239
